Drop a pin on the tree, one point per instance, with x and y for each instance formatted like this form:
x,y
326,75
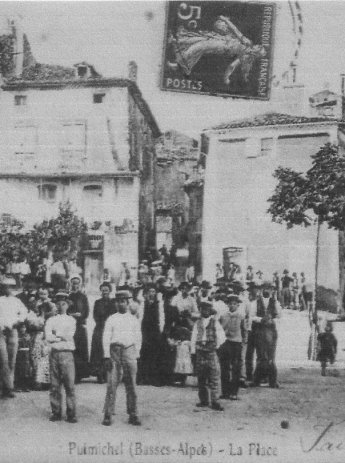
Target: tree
x,y
314,197
13,240
62,235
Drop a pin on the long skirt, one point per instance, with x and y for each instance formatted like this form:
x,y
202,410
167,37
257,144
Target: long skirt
x,y
183,364
40,359
81,355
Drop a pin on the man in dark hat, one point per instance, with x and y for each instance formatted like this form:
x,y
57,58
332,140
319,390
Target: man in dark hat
x,y
207,337
203,293
121,345
268,310
230,351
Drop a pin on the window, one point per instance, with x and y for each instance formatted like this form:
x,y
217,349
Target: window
x,y
92,201
47,192
25,139
73,136
82,71
20,100
93,192
266,146
98,97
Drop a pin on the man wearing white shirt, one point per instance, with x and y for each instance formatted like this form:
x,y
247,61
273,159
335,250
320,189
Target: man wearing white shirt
x,y
12,312
59,332
207,337
121,344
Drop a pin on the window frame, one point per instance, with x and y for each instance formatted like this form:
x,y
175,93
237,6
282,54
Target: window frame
x,y
42,187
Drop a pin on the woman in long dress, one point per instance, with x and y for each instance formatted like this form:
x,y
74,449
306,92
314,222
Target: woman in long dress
x,y
103,308
79,309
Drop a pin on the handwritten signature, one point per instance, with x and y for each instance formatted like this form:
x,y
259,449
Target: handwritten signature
x,y
323,442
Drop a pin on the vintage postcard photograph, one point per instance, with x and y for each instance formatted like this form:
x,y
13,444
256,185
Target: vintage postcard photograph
x,y
172,231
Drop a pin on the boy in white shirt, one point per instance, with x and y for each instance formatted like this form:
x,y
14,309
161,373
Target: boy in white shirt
x,y
59,332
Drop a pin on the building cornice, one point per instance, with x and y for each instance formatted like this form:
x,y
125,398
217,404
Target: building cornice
x,y
277,127
72,175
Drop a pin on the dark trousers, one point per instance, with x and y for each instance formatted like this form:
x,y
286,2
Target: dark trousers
x,y
286,297
266,345
230,367
251,345
124,365
208,373
8,355
62,373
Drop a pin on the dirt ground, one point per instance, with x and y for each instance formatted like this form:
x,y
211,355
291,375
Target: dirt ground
x,y
174,430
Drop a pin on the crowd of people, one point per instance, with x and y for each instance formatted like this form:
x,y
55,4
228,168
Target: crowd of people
x,y
152,332
292,291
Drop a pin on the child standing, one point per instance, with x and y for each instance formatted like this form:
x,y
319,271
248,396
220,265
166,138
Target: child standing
x,y
207,337
59,331
22,374
327,347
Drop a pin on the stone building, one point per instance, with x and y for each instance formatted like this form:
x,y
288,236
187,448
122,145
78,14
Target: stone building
x,y
71,134
176,161
242,156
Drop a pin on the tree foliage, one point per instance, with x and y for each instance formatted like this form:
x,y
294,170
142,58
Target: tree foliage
x,y
62,235
318,194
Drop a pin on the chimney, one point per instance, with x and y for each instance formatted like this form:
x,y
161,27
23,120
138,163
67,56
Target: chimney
x,y
18,35
132,71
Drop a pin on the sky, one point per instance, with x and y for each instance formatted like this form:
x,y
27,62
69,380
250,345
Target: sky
x,y
110,34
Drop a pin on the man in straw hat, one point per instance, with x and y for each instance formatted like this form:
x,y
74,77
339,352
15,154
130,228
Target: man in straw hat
x,y
121,345
207,337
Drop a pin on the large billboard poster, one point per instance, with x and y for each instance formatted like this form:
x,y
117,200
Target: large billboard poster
x,y
219,47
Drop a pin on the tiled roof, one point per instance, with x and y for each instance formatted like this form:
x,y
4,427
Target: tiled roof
x,y
269,119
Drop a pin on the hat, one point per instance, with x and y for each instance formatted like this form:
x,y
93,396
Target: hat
x,y
184,284
250,267
233,297
9,281
61,293
259,272
205,285
123,294
76,277
286,271
156,263
207,305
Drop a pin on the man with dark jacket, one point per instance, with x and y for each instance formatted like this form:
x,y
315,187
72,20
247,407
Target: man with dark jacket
x,y
268,310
